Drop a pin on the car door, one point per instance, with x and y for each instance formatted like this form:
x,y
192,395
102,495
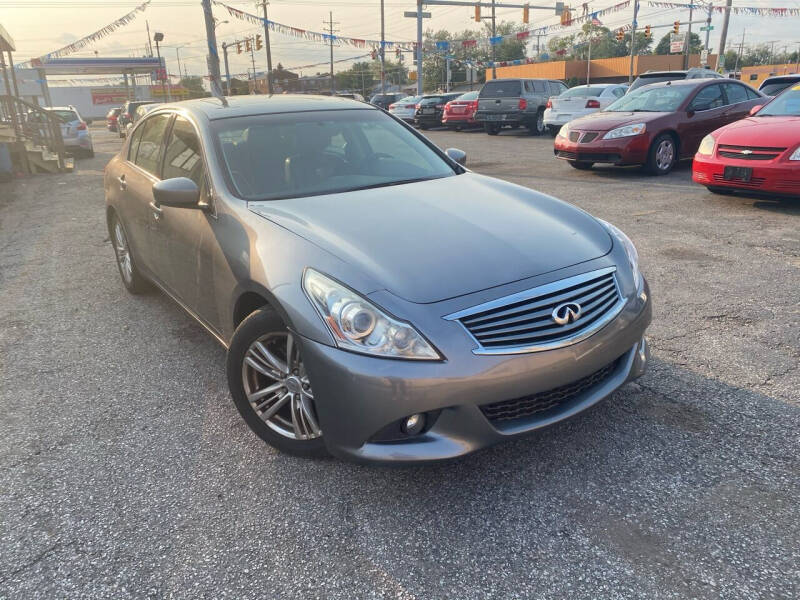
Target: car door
x,y
195,263
140,174
738,101
705,113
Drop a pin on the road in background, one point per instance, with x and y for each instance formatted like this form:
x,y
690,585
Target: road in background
x,y
125,470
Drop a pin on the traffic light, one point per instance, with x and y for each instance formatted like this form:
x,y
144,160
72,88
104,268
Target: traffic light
x,y
247,45
238,47
478,12
620,35
647,32
676,27
258,41
525,13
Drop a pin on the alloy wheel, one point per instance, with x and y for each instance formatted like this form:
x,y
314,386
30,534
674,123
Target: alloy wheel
x,y
123,252
665,154
277,386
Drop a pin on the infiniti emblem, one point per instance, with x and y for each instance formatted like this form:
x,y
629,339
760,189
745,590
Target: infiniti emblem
x,y
566,313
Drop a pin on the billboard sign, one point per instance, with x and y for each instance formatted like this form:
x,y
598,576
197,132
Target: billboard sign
x,y
676,42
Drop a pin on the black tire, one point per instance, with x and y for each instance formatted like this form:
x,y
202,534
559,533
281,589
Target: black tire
x,y
581,166
537,127
491,128
553,130
131,277
424,126
258,324
720,190
660,161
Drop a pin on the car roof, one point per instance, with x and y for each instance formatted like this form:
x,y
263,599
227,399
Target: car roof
x,y
791,77
72,108
681,82
243,106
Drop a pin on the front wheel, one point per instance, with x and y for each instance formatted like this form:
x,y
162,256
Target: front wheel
x,y
270,386
662,156
580,165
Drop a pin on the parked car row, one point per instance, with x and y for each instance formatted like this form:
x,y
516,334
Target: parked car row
x,y
74,129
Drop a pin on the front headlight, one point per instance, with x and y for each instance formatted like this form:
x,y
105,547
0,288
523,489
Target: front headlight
x,y
707,145
795,155
357,324
626,131
630,250
564,131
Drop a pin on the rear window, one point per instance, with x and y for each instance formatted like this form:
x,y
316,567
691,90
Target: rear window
x,y
582,91
431,100
66,115
501,89
776,87
648,79
468,96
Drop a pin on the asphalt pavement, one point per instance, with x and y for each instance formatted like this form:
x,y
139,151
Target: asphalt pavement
x,y
126,471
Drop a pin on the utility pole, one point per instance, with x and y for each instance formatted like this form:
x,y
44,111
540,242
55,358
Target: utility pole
x,y
253,61
724,36
589,60
149,42
269,50
178,57
227,70
330,25
383,54
494,33
633,38
213,55
688,44
739,55
708,30
418,50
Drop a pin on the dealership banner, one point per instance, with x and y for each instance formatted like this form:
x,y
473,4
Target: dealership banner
x,y
753,11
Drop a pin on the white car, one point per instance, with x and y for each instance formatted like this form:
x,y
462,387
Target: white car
x,y
405,108
579,101
74,130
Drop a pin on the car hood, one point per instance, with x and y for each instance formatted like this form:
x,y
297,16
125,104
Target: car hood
x,y
781,132
433,240
605,121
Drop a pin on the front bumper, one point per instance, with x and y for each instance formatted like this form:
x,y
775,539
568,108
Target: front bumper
x,y
773,178
622,151
357,397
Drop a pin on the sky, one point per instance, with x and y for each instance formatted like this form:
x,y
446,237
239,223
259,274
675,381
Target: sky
x,y
40,26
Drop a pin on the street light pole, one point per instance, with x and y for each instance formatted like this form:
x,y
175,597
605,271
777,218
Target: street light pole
x,y
494,55
227,70
162,75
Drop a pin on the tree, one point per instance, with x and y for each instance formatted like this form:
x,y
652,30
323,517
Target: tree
x,y
695,45
195,86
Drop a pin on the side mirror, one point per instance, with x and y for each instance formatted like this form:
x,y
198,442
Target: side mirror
x,y
180,192
755,109
457,155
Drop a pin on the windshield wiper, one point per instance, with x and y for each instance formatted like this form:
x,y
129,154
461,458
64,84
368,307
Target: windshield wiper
x,y
390,183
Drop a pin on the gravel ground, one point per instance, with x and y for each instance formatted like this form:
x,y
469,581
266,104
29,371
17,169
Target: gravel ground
x,y
125,470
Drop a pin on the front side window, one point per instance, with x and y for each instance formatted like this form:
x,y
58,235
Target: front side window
x,y
304,154
183,155
133,146
708,98
150,143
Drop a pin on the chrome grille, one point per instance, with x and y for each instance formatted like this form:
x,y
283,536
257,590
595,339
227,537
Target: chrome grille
x,y
750,152
524,322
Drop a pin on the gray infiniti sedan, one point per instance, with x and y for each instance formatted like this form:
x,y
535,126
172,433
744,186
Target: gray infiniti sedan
x,y
377,300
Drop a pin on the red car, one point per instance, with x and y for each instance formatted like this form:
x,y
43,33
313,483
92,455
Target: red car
x,y
111,119
460,112
761,152
655,125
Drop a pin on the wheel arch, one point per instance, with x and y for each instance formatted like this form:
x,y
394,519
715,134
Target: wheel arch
x,y
248,298
675,138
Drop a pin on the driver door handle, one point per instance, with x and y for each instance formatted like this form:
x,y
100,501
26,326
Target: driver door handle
x,y
122,184
156,210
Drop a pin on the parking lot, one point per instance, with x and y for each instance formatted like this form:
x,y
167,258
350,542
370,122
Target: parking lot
x,y
126,471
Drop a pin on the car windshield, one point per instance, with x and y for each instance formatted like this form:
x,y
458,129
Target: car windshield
x,y
582,91
501,89
322,152
67,116
658,99
785,105
648,79
776,87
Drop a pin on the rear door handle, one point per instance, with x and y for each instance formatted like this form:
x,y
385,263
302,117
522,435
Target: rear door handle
x,y
122,184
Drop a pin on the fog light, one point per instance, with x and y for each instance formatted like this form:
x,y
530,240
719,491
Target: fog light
x,y
414,424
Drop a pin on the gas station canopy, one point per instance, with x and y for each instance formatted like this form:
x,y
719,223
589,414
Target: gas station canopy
x,y
98,66
6,43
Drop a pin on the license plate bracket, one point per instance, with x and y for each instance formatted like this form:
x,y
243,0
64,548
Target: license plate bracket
x,y
738,174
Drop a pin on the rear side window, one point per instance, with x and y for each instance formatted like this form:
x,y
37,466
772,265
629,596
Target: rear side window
x,y
556,88
708,98
751,93
618,92
150,143
539,87
736,93
133,147
501,89
182,157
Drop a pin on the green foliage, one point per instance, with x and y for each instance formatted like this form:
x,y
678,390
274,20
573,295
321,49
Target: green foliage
x,y
603,40
695,45
195,86
362,77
